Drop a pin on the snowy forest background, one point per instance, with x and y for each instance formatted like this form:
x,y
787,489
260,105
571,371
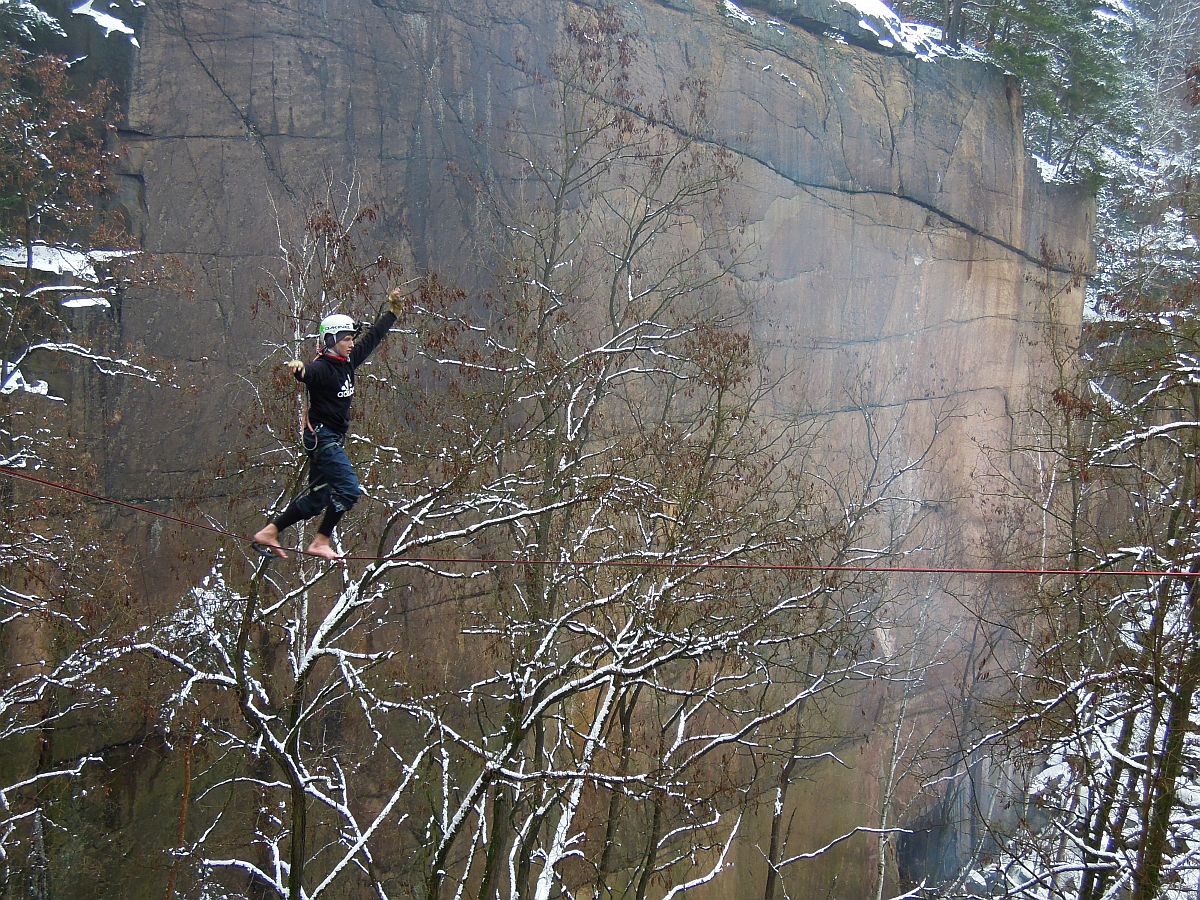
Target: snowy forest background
x,y
615,729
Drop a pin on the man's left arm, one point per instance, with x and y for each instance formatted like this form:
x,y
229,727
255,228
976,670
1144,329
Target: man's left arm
x,y
371,338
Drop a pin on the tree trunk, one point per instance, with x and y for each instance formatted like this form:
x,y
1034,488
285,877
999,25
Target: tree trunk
x,y
1148,875
952,29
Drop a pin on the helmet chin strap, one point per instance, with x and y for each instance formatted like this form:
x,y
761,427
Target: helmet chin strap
x,y
329,341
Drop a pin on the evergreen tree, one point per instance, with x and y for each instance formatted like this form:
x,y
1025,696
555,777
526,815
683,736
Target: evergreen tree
x,y
1107,704
22,23
1071,57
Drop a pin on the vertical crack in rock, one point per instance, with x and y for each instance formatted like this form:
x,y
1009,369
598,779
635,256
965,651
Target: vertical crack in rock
x,y
253,133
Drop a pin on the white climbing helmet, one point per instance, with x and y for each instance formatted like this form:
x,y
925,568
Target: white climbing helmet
x,y
332,326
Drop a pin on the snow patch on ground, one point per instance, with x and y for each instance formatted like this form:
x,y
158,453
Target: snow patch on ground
x,y
56,260
16,381
875,22
107,21
1048,170
734,11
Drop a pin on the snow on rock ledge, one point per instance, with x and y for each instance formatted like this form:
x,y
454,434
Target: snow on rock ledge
x,y
865,22
67,261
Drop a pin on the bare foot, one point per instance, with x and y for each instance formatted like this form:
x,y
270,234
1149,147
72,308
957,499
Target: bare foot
x,y
268,539
321,547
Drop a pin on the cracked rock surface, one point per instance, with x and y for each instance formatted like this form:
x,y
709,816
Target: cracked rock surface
x,y
904,246
899,227
902,239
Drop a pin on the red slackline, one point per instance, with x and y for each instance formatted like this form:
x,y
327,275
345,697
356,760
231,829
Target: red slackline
x,y
641,564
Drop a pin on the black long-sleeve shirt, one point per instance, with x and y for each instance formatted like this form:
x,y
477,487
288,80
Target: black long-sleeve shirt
x,y
330,378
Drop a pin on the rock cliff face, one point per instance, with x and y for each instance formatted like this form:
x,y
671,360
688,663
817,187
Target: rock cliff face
x,y
899,226
905,249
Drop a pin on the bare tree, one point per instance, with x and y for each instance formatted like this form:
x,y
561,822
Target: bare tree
x,y
590,434
1104,678
61,271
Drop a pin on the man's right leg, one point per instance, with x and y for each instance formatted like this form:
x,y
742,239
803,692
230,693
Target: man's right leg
x,y
322,543
297,511
307,505
344,491
322,548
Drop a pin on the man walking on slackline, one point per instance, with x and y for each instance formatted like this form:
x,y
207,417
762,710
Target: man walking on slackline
x,y
332,485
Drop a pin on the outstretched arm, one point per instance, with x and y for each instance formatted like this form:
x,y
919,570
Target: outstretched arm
x,y
370,339
377,332
312,375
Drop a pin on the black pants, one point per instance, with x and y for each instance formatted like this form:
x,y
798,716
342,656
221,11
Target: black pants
x,y
333,487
